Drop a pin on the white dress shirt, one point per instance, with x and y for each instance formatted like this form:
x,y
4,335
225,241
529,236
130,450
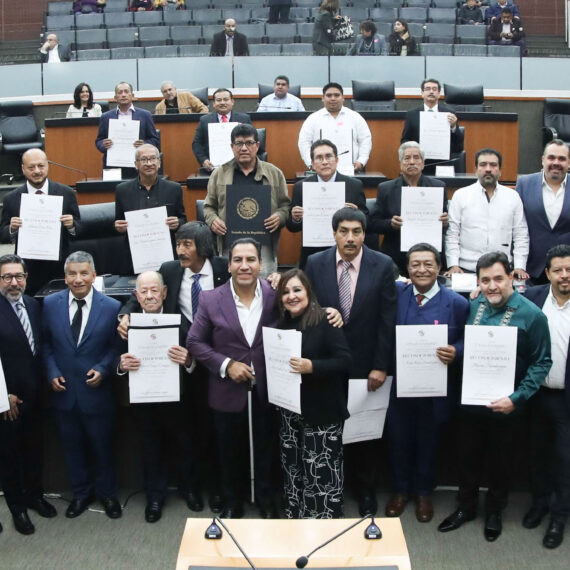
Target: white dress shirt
x,y
559,326
185,295
272,103
86,309
428,295
553,201
53,56
478,226
322,120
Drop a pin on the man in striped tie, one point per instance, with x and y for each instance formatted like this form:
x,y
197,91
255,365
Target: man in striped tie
x,y
20,426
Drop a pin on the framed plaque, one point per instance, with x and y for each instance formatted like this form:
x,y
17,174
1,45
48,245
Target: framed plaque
x,y
247,207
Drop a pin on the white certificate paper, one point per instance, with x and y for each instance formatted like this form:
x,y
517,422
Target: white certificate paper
x,y
367,411
158,378
463,282
489,362
219,142
320,201
123,133
4,401
420,372
435,135
39,236
149,238
421,209
283,386
341,135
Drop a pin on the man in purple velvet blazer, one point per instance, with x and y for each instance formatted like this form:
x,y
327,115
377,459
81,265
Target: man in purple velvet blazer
x,y
226,337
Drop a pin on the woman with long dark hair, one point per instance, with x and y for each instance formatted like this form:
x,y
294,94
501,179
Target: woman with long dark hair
x,y
83,105
311,442
401,41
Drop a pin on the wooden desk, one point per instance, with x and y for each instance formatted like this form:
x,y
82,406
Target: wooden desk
x,y
278,544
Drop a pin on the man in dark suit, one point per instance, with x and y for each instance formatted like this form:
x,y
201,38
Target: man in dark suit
x,y
80,348
550,408
324,161
431,90
223,103
35,168
124,96
546,206
414,423
226,337
20,426
229,41
369,312
149,190
385,218
195,252
52,51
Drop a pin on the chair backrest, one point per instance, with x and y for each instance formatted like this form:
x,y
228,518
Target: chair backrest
x,y
202,94
373,95
54,8
161,51
193,50
465,97
88,21
152,18
436,49
265,49
414,14
127,53
90,54
297,49
208,16
262,136
122,37
185,34
442,33
118,19
503,51
177,17
267,88
384,14
17,123
442,15
479,50
556,115
94,39
154,35
60,22
254,32
472,34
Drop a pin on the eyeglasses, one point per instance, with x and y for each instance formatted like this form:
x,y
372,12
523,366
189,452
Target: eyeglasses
x,y
322,158
19,277
248,144
148,159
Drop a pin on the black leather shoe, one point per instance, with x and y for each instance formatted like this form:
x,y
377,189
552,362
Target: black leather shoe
x,y
455,520
78,506
232,512
534,516
554,534
23,523
216,503
367,505
194,501
1,529
43,508
112,507
493,527
153,512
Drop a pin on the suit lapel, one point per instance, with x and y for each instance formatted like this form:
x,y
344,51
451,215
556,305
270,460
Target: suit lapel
x,y
13,319
229,311
363,282
93,317
565,213
63,316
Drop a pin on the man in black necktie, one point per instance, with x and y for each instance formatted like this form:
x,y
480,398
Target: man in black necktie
x,y
35,168
20,425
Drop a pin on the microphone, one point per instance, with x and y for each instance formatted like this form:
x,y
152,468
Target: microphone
x,y
217,534
372,531
69,168
302,561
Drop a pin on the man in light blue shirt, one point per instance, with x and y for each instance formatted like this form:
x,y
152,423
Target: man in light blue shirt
x,y
281,100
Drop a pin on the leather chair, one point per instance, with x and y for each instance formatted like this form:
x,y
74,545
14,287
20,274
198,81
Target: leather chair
x,y
465,98
18,129
373,96
556,120
202,94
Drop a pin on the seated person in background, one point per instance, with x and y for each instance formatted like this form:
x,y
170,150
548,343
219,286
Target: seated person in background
x,y
401,41
229,41
169,5
141,5
470,13
54,52
88,6
496,10
280,99
83,105
175,102
506,30
368,42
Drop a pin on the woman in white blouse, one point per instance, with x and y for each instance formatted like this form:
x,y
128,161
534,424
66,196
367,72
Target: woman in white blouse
x,y
83,105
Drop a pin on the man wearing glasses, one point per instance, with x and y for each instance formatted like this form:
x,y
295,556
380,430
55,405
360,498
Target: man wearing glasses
x,y
247,169
149,190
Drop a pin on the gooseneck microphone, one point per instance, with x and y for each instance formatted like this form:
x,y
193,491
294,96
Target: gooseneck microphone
x,y
213,532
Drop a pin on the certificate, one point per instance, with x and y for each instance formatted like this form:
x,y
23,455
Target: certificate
x,y
420,372
435,135
4,401
320,201
40,234
367,411
149,238
247,208
489,362
219,142
283,386
158,378
421,209
463,282
341,135
123,133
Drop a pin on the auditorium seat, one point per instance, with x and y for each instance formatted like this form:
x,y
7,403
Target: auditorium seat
x,y
504,51
373,95
152,18
469,34
208,16
18,129
89,21
59,8
298,14
161,51
91,39
305,31
240,15
414,14
469,98
127,53
154,36
59,22
440,33
356,14
122,37
383,14
297,49
90,54
194,50
177,17
436,49
116,6
118,19
418,3
442,15
281,33
445,3
185,34
265,49
470,50
254,32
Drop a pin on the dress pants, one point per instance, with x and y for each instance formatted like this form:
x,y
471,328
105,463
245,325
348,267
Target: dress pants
x,y
21,458
279,13
84,436
311,458
486,443
413,434
361,464
233,445
550,448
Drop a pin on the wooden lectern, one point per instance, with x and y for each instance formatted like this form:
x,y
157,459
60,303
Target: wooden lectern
x,y
278,543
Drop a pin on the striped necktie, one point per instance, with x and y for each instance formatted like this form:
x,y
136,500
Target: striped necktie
x,y
24,319
344,294
195,292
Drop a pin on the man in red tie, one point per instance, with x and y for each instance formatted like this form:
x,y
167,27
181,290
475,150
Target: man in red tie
x,y
35,168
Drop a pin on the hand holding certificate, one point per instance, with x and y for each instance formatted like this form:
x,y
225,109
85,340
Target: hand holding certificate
x,y
320,201
219,142
435,135
421,209
124,133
